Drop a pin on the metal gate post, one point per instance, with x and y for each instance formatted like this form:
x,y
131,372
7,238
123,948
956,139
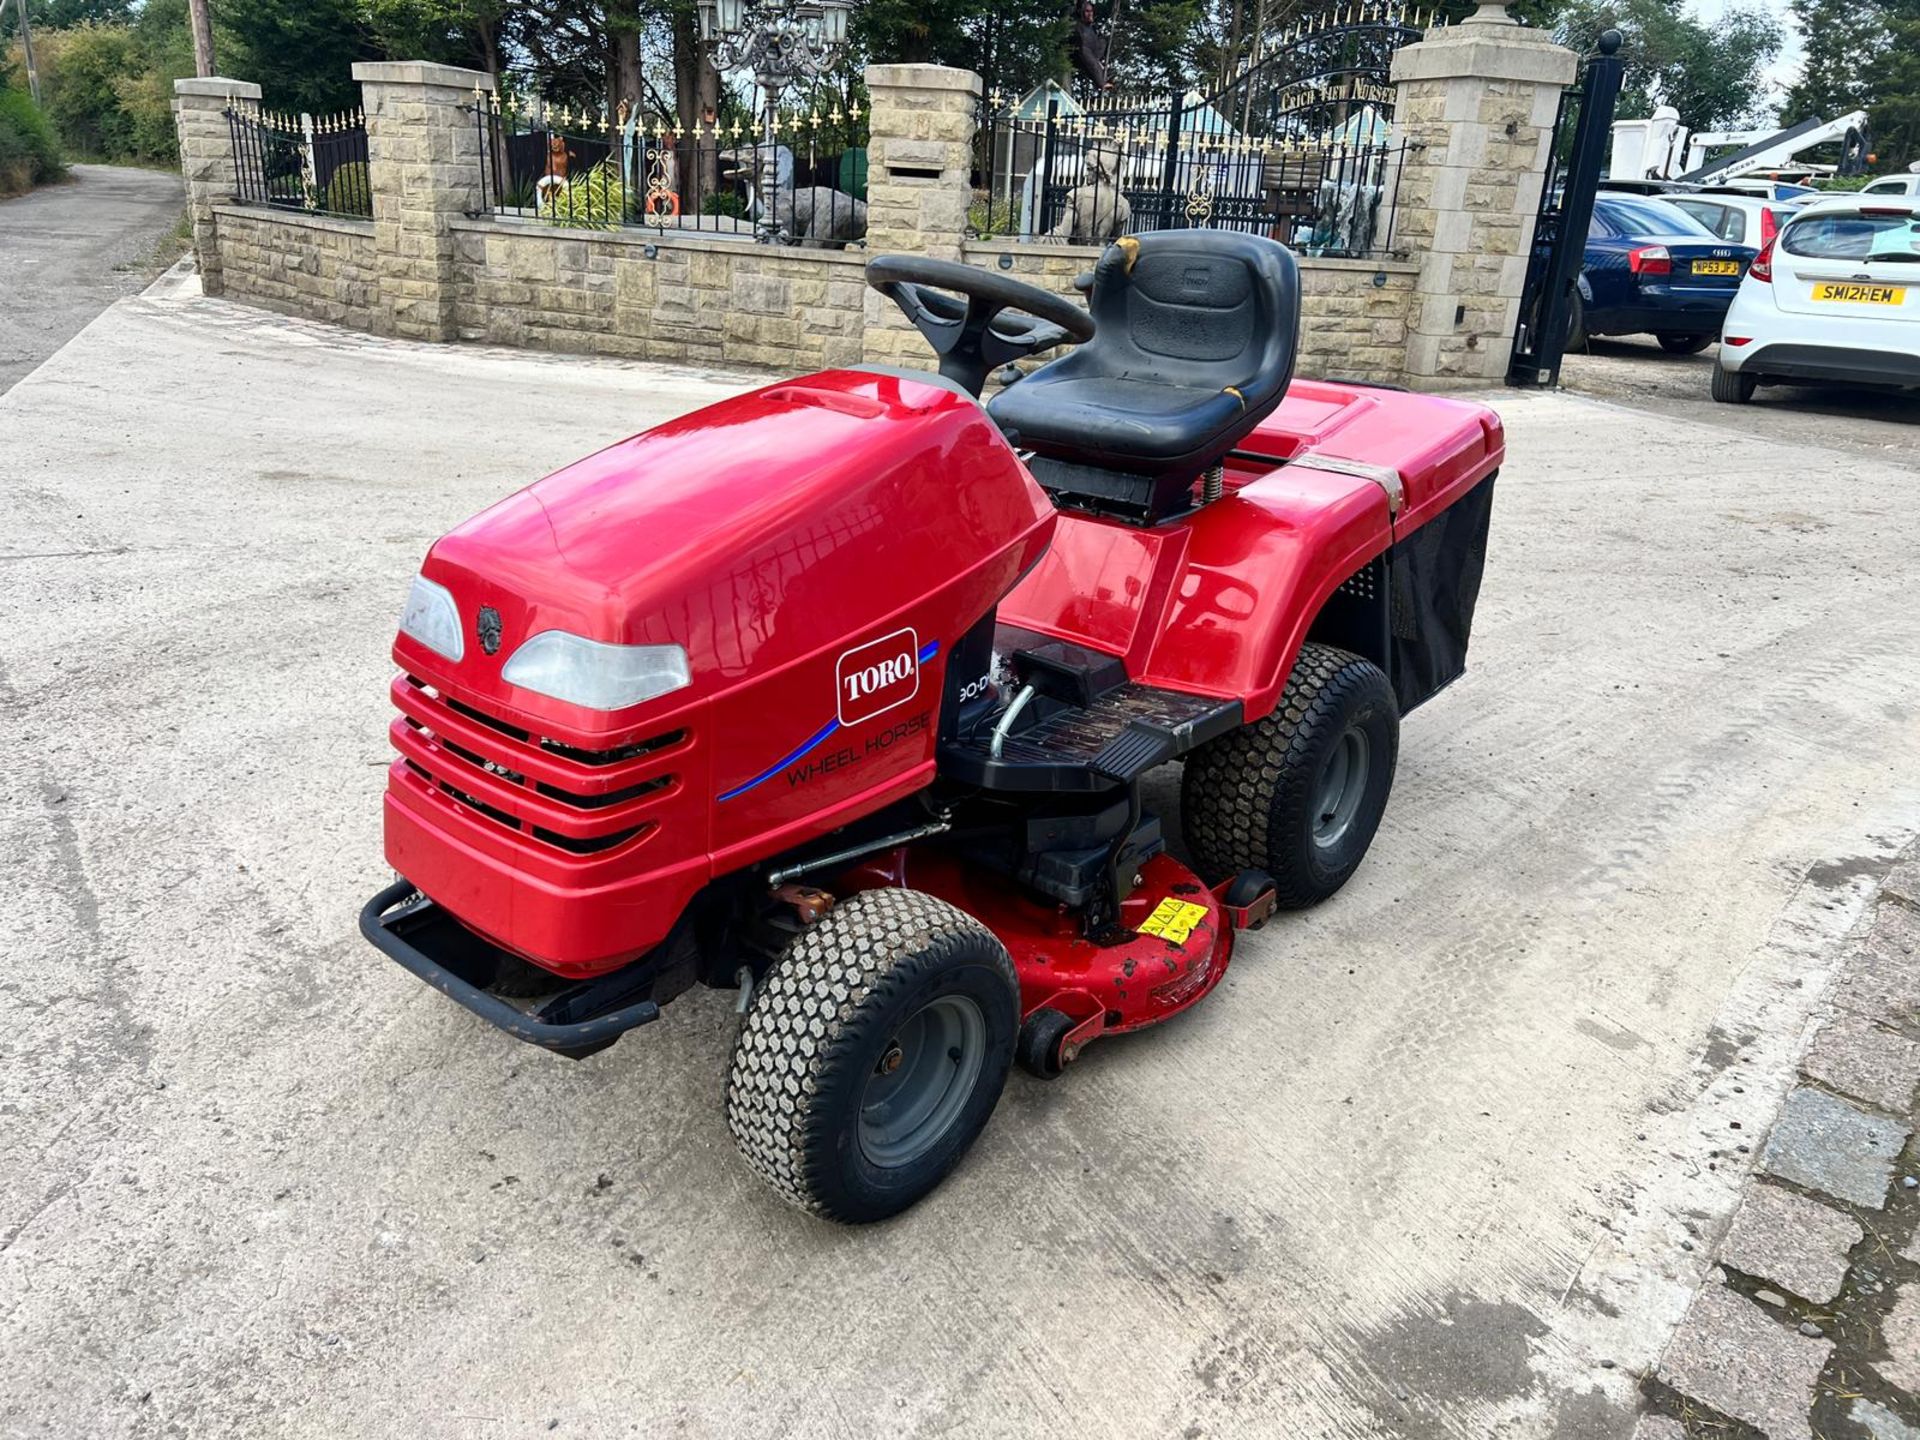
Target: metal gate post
x,y
1541,343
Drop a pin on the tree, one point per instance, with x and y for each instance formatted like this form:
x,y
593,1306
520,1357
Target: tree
x,y
300,53
1862,56
1895,109
1012,47
1712,76
65,14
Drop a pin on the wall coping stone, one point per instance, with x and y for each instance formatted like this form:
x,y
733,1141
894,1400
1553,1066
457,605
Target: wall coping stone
x,y
218,87
339,224
981,249
1487,53
923,77
709,243
421,72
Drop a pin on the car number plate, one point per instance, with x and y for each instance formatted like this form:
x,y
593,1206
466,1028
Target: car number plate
x,y
1716,267
1856,294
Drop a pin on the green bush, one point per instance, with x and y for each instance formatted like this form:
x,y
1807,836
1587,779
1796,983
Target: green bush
x,y
593,201
82,69
29,155
109,88
348,192
1845,183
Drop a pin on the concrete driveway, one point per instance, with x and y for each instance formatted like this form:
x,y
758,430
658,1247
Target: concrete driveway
x,y
1634,370
1433,1162
68,251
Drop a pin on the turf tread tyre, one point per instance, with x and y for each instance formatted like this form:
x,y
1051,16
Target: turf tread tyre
x,y
1243,794
809,1038
1731,387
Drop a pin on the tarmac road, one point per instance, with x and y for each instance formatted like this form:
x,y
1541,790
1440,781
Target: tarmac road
x,y
1437,1160
68,251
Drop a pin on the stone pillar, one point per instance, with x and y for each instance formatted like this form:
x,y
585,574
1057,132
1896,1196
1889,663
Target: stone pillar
x,y
206,161
423,166
1476,106
919,184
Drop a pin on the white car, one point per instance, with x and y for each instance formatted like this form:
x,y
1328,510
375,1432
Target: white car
x,y
1908,184
1835,298
1741,219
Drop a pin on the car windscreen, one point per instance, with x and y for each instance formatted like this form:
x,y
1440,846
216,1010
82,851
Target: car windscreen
x,y
1875,238
1792,192
1636,215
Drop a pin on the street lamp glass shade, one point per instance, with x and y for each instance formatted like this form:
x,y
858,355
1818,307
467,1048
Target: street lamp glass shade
x,y
708,28
731,15
833,21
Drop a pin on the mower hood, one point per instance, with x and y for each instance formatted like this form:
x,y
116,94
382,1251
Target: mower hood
x,y
751,533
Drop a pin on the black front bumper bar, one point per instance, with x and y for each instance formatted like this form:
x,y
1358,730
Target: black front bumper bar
x,y
424,939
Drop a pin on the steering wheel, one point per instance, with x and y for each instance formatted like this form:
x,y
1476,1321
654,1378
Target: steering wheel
x,y
970,329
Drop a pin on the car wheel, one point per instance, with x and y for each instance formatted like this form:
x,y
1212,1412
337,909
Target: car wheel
x,y
1684,344
1299,792
1576,324
872,1054
1732,387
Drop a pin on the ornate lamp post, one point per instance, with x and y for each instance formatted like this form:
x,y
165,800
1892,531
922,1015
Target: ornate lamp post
x,y
781,41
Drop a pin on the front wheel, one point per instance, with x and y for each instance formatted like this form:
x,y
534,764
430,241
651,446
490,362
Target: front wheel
x,y
1684,344
1299,792
873,1054
1732,387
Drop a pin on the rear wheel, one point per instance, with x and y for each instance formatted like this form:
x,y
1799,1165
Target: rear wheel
x,y
1300,792
1576,324
1732,387
1684,344
873,1054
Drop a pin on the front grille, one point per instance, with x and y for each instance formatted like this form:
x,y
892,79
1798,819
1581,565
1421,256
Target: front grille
x,y
556,795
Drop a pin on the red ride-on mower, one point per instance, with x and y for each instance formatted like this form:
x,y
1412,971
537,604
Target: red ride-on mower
x,y
841,694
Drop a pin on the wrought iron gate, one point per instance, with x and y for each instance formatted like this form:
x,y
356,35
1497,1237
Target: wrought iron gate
x,y
1580,136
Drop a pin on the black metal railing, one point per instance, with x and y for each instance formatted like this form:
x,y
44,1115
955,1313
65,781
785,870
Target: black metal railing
x,y
1069,174
300,162
800,179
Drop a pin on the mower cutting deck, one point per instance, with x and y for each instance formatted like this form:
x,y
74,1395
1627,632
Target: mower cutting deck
x,y
840,694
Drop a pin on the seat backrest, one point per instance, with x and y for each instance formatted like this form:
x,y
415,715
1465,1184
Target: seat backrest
x,y
1199,308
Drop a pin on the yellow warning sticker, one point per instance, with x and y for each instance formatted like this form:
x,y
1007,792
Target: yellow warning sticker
x,y
1174,920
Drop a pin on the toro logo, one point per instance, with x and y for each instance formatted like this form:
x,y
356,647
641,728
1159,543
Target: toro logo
x,y
877,676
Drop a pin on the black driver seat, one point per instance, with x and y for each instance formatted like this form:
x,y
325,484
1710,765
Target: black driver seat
x,y
1194,347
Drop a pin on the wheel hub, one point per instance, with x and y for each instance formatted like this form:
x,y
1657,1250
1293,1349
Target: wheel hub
x,y
1341,788
922,1080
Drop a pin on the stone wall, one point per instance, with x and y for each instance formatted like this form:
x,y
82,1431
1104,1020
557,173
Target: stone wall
x,y
1477,104
1353,313
651,297
311,265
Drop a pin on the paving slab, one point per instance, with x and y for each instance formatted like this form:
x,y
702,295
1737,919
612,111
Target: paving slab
x,y
1880,978
1659,1427
1731,1355
1792,1242
1831,1145
1903,882
1862,1058
1900,1333
1879,1422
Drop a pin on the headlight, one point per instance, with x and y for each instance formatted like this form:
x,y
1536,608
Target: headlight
x,y
433,619
593,674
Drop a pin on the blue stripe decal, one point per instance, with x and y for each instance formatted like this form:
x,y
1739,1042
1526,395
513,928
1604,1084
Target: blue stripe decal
x,y
927,652
774,769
